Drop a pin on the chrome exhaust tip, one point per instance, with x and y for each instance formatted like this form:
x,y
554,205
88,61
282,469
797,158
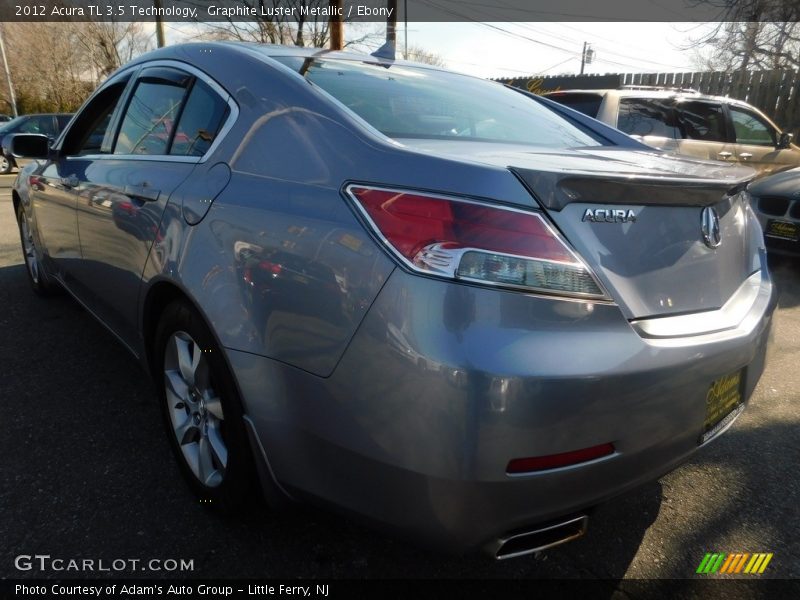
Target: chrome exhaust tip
x,y
541,538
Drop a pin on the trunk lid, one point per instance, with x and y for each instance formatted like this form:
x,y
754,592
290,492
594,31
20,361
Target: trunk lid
x,y
636,218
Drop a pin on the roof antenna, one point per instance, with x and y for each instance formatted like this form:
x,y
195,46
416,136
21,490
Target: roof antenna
x,y
387,51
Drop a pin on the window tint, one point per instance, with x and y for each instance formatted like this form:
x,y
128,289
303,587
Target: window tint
x,y
588,104
647,116
150,117
62,121
702,121
403,101
90,128
42,124
750,129
200,122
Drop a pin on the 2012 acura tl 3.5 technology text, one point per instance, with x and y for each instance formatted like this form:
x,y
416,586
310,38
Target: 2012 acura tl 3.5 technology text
x,y
461,311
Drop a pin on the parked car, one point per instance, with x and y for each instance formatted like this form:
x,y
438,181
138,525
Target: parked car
x,y
689,123
46,124
776,201
458,310
5,118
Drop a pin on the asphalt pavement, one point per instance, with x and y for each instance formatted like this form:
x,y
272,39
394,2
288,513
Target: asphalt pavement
x,y
87,473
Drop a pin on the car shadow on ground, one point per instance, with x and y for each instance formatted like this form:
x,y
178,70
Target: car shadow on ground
x,y
91,475
785,272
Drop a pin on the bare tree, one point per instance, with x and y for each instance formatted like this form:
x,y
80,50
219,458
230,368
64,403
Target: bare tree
x,y
59,75
418,54
299,26
751,34
109,45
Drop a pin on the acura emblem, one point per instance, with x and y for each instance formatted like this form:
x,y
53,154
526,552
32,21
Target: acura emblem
x,y
709,225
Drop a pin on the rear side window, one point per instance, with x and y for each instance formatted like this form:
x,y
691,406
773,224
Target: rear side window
x,y
750,129
411,102
588,104
152,112
647,116
702,121
200,122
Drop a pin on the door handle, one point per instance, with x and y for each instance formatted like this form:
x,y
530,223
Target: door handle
x,y
725,155
70,182
142,192
745,155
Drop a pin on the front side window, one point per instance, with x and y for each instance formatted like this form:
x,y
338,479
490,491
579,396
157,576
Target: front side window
x,y
152,112
647,117
411,102
751,129
90,129
702,121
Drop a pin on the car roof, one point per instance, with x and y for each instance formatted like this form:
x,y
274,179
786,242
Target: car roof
x,y
654,93
272,51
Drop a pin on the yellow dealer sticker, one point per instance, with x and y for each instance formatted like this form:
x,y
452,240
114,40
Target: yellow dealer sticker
x,y
723,404
785,230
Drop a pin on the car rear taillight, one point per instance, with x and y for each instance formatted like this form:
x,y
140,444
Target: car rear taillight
x,y
476,242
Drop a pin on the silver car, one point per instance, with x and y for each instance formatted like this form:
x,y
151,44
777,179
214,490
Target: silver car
x,y
452,308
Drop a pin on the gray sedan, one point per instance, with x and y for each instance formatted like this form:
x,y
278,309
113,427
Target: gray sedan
x,y
452,308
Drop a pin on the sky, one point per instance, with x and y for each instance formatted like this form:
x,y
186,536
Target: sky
x,y
519,49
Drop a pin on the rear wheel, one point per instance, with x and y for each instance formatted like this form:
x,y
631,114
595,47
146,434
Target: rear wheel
x,y
41,283
202,410
5,165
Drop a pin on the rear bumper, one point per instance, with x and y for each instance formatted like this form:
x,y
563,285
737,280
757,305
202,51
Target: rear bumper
x,y
443,384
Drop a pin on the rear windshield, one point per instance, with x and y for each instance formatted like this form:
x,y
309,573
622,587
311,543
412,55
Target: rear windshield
x,y
588,104
410,102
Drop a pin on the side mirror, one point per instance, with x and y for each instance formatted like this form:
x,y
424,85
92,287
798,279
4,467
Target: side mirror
x,y
785,140
27,145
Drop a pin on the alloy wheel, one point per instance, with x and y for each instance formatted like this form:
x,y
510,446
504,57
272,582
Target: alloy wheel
x,y
29,248
195,409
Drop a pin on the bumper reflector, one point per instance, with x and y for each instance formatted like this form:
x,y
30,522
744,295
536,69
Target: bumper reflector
x,y
554,461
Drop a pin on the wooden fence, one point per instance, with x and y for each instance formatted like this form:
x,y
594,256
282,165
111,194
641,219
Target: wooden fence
x,y
775,92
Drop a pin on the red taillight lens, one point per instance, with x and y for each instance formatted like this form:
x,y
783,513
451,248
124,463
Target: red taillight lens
x,y
553,461
474,241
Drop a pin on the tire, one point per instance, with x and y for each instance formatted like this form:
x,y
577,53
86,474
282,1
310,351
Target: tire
x,y
202,410
41,282
6,164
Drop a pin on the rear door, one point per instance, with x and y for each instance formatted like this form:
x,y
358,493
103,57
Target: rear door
x,y
167,124
652,120
704,130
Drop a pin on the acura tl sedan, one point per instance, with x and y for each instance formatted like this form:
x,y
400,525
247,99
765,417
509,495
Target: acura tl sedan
x,y
459,311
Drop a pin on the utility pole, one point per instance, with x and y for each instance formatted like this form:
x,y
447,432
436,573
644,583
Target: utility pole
x,y
586,55
405,29
8,73
336,25
159,24
391,23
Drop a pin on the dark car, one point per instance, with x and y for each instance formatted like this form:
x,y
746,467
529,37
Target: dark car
x,y
776,201
49,124
453,308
